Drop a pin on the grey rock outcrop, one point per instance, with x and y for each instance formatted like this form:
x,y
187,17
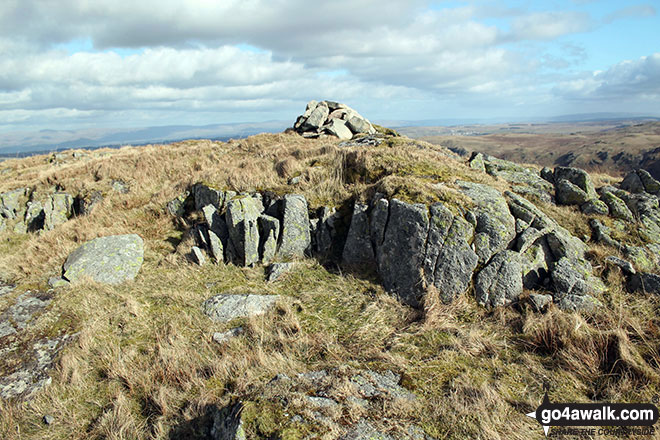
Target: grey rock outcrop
x,y
225,307
617,207
401,255
269,232
328,118
577,177
496,227
358,249
57,209
111,260
242,217
639,181
500,282
567,193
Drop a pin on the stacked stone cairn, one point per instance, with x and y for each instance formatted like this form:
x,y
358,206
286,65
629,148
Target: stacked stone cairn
x,y
329,118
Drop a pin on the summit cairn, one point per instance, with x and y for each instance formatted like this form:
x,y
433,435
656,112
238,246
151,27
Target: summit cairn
x,y
329,118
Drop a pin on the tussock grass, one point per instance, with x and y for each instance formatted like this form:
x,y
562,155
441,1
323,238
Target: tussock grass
x,y
144,365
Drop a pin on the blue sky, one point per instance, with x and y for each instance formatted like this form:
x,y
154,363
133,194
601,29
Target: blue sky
x,y
110,63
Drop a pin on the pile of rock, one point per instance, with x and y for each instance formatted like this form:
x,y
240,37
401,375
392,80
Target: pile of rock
x,y
329,118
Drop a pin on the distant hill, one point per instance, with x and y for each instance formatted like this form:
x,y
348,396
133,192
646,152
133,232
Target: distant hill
x,y
19,143
614,146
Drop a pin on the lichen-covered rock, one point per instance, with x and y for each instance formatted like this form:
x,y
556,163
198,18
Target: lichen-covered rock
x,y
496,227
84,204
380,213
111,260
568,193
500,282
242,222
617,207
574,278
324,234
651,185
536,261
578,303
10,202
227,423
358,250
595,207
216,247
205,195
577,177
401,256
601,233
547,174
317,117
177,206
632,183
295,237
57,209
225,307
452,270
477,162
35,216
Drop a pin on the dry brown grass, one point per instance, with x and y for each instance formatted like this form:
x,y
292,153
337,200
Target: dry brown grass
x,y
144,364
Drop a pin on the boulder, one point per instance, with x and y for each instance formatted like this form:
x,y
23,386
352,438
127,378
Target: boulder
x,y
358,250
577,177
401,255
324,234
536,261
110,260
225,307
205,195
601,233
574,278
316,118
617,207
500,282
358,124
295,236
85,204
651,185
177,206
10,202
228,423
477,162
578,303
548,175
595,207
35,216
632,183
338,128
568,193
242,214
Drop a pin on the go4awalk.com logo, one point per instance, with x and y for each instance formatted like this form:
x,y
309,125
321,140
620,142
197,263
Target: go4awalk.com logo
x,y
621,419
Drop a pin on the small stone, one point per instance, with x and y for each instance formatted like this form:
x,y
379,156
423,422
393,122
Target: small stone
x,y
224,337
276,270
56,282
625,266
48,419
539,302
197,256
225,307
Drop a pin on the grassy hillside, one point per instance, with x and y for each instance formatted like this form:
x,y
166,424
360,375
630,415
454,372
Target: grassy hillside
x,y
144,365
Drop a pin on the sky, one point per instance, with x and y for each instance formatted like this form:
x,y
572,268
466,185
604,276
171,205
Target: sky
x,y
79,64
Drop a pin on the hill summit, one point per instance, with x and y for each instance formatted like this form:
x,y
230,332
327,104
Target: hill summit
x,y
310,286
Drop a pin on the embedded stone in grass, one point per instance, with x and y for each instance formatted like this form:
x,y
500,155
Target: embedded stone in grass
x,y
224,337
225,307
197,256
276,270
110,260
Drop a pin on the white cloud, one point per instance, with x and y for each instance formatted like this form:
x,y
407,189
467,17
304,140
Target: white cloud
x,y
625,81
